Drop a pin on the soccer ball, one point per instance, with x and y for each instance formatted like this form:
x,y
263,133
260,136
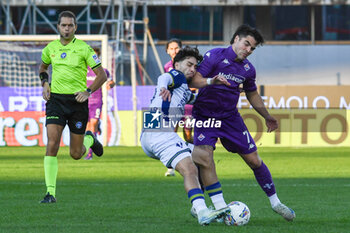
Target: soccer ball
x,y
239,216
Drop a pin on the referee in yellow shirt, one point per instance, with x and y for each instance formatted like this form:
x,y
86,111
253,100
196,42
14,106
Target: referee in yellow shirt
x,y
67,96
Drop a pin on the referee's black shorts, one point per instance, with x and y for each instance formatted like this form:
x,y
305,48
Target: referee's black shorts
x,y
62,109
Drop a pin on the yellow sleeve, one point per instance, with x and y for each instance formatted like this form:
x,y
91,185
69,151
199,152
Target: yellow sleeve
x,y
45,55
91,58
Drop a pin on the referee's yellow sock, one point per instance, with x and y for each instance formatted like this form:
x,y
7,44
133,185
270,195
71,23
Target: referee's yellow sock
x,y
51,168
88,141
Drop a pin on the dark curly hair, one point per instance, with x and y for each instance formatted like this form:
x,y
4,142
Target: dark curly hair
x,y
188,52
246,30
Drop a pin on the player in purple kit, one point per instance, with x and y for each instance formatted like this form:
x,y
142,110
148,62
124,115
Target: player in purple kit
x,y
95,102
219,102
172,48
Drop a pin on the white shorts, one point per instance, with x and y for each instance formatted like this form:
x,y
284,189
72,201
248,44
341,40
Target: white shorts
x,y
167,147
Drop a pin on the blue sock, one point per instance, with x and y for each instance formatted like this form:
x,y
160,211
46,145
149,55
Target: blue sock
x,y
196,197
195,193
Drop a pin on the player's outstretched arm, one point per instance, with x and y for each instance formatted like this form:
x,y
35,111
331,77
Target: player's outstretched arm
x,y
44,77
255,100
198,81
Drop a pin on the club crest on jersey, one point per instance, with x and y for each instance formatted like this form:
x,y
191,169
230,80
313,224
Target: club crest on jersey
x,y
78,125
95,57
207,54
201,137
246,67
63,55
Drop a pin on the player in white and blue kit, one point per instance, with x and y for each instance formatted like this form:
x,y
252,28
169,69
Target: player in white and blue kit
x,y
167,105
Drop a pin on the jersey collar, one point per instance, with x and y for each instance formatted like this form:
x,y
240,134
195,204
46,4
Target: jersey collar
x,y
71,42
230,53
179,71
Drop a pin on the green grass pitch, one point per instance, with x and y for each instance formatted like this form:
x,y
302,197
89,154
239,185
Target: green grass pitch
x,y
125,191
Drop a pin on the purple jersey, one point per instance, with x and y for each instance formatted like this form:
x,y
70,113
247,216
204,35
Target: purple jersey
x,y
220,101
168,66
90,78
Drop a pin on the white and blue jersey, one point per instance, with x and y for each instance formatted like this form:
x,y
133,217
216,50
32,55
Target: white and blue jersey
x,y
166,145
175,81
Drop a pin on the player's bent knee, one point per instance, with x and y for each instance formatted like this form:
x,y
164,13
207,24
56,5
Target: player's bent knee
x,y
76,154
253,160
202,157
76,157
208,161
207,148
257,163
186,167
190,171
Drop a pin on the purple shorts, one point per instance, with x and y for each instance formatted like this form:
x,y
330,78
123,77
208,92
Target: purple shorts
x,y
233,135
95,110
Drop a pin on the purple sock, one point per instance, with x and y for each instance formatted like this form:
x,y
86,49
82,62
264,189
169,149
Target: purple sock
x,y
264,178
